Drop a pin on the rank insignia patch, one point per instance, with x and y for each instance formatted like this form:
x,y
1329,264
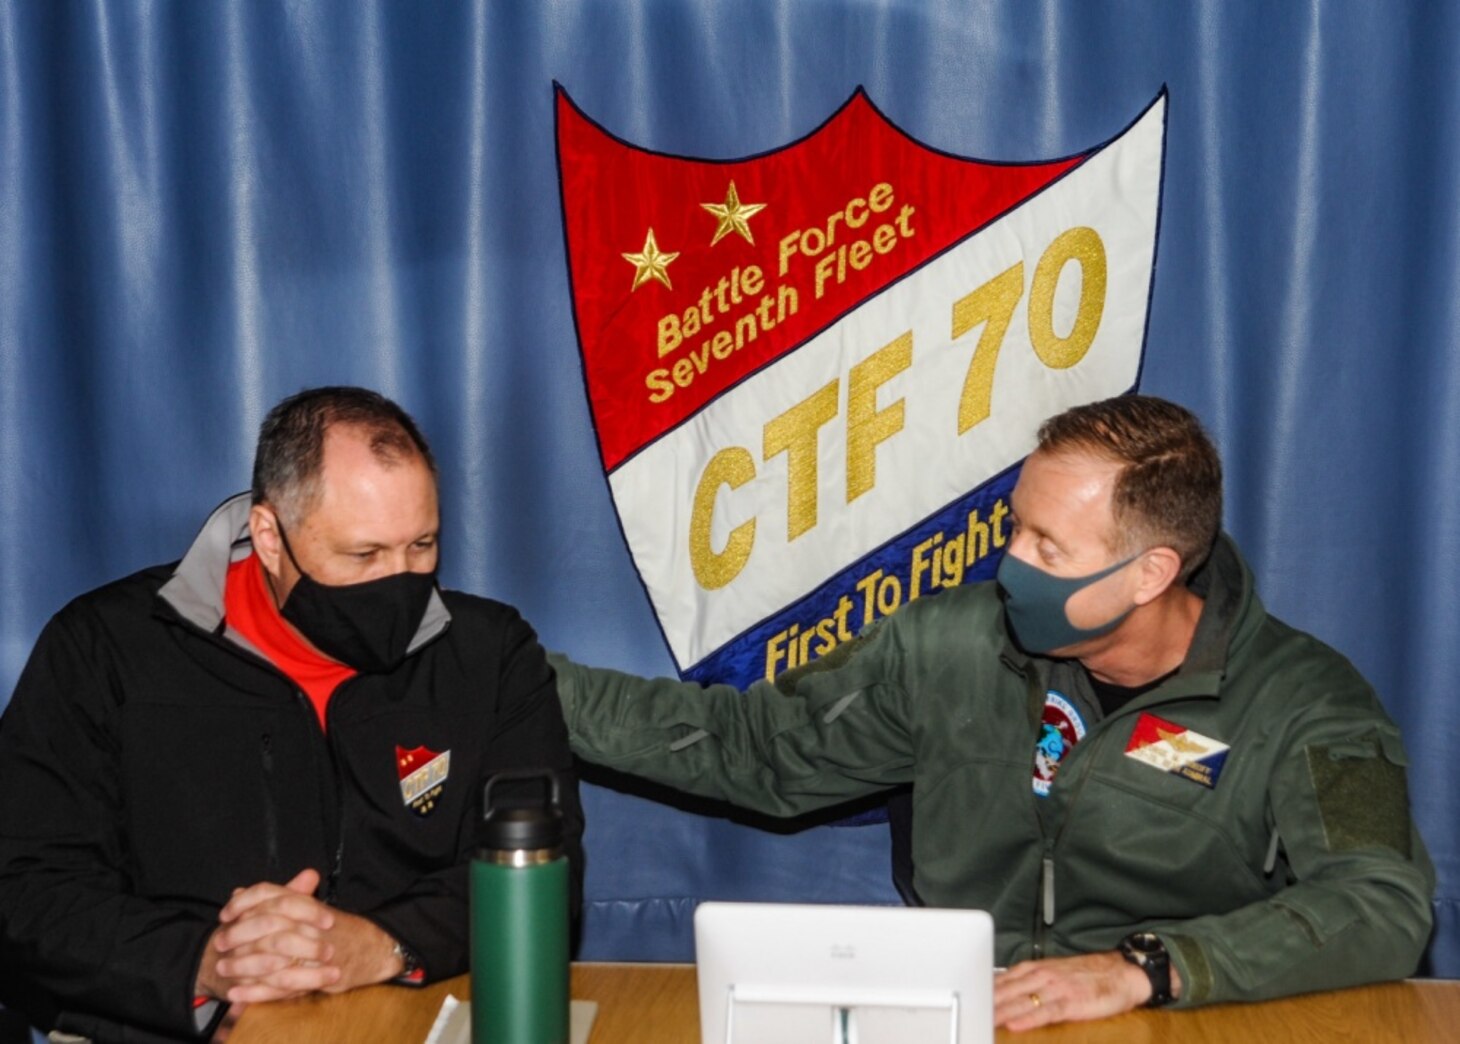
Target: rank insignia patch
x,y
422,774
1178,750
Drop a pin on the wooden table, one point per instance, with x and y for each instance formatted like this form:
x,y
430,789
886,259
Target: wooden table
x,y
653,1003
641,1003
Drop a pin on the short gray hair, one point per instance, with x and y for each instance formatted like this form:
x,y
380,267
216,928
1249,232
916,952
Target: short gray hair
x,y
290,452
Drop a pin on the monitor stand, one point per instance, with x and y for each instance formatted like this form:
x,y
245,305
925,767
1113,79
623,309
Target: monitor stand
x,y
762,1014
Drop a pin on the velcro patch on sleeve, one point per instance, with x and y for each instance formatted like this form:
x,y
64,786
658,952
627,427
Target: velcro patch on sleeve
x,y
1363,796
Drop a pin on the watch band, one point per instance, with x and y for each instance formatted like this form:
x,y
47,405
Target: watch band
x,y
412,972
1147,952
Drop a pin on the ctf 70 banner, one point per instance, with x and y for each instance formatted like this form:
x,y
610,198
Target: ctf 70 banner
x,y
814,372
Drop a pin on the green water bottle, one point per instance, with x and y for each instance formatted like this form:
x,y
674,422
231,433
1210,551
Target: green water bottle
x,y
519,919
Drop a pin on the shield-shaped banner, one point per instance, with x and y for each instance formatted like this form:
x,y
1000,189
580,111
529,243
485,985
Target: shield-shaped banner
x,y
814,372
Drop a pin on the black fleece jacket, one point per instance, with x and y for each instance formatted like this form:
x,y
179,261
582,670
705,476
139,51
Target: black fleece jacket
x,y
150,764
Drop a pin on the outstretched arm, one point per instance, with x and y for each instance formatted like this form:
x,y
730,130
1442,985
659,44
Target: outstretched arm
x,y
827,734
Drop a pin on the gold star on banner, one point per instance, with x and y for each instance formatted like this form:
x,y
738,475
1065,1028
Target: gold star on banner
x,y
734,216
650,263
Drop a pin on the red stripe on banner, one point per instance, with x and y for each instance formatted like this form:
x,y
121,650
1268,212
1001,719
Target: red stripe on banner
x,y
732,280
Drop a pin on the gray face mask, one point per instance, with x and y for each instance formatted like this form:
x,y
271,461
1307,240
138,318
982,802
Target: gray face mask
x,y
1034,602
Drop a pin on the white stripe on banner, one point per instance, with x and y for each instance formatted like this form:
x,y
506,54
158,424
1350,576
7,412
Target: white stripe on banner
x,y
1037,268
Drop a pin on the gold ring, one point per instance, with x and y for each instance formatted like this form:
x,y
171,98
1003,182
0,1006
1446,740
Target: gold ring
x,y
1034,999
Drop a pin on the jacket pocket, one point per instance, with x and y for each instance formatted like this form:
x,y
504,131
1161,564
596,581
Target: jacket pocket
x,y
269,805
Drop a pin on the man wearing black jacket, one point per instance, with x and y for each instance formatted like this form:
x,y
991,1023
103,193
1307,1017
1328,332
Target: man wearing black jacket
x,y
257,773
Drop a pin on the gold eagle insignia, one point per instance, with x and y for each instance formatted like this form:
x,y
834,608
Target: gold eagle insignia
x,y
1180,743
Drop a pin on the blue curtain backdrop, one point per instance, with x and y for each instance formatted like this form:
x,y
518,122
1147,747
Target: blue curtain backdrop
x,y
205,207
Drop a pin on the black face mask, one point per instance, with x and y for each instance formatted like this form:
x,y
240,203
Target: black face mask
x,y
367,626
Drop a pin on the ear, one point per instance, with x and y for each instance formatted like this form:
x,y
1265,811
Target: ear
x,y
1159,569
263,528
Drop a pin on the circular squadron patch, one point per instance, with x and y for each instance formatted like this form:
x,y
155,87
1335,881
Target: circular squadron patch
x,y
1061,728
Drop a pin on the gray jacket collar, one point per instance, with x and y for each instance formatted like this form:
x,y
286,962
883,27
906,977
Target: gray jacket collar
x,y
195,590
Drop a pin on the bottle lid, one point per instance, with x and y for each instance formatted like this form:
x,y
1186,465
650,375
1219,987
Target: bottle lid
x,y
523,825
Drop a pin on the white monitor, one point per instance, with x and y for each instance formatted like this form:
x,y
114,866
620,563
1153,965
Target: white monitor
x,y
780,973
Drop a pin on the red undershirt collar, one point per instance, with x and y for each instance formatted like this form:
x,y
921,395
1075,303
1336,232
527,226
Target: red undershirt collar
x,y
248,606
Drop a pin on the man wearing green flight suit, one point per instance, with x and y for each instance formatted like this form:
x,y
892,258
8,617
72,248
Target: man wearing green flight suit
x,y
1163,794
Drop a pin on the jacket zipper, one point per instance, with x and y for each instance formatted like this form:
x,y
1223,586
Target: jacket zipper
x,y
1044,919
1047,909
1036,697
331,815
335,826
332,812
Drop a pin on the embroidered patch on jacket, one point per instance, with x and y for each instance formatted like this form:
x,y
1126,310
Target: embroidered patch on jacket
x,y
1178,750
422,774
1061,728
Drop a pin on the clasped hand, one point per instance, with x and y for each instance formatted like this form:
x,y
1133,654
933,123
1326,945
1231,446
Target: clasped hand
x,y
278,941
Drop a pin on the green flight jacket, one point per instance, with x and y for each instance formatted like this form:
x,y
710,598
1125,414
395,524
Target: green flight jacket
x,y
1300,869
